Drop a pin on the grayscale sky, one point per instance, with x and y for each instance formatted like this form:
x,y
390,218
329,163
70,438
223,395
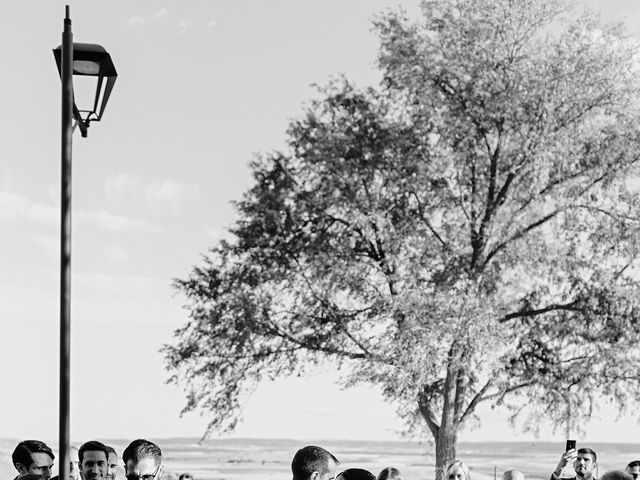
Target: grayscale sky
x,y
202,87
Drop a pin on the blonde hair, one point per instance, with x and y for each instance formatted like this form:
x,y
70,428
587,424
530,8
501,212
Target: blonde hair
x,y
462,465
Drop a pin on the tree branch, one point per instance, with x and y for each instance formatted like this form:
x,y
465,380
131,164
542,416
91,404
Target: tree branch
x,y
614,215
424,405
503,393
477,398
427,222
521,233
571,307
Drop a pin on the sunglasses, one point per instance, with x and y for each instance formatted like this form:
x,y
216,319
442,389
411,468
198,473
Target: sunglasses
x,y
148,476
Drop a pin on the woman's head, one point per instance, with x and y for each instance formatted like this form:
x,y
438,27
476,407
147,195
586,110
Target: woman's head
x,y
390,473
457,470
356,474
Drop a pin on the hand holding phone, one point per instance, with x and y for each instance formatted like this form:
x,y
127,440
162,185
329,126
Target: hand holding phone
x,y
568,456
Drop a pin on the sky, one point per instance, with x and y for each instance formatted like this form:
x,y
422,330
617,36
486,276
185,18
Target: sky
x,y
203,86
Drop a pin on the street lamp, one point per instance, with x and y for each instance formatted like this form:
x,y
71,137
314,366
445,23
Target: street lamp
x,y
89,61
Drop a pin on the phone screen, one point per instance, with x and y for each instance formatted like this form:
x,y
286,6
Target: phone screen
x,y
571,444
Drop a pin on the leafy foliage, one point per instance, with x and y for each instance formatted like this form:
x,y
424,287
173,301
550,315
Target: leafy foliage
x,y
466,232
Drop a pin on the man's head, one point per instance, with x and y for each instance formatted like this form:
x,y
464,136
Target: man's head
x,y
356,474
112,463
313,463
93,457
74,469
142,460
33,457
513,475
585,462
617,475
185,476
633,469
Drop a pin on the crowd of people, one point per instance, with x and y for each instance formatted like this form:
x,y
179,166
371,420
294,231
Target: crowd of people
x,y
315,463
142,460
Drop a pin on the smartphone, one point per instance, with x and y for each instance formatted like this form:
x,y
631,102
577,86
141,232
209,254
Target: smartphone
x,y
571,444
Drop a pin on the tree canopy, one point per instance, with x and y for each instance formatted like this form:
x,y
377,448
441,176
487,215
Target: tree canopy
x,y
465,232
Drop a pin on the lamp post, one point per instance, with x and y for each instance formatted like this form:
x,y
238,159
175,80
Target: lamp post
x,y
92,61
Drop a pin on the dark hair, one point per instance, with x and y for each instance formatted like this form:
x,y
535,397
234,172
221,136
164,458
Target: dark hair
x,y
390,473
635,463
617,475
590,452
111,450
92,446
311,459
31,476
141,448
357,474
185,475
23,451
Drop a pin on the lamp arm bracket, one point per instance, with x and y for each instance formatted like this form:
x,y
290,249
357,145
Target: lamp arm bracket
x,y
84,126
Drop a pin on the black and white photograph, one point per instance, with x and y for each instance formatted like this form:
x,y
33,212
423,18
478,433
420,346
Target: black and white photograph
x,y
320,240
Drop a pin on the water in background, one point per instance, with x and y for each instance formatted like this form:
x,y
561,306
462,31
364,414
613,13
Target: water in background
x,y
264,459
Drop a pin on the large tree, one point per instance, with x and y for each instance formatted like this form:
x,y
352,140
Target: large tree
x,y
466,232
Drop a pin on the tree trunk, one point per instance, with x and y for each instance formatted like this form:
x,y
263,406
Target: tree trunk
x,y
446,434
445,448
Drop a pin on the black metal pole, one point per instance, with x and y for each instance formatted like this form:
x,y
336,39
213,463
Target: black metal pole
x,y
65,246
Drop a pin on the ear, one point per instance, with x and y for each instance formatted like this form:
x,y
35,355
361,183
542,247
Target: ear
x,y
314,476
21,468
159,475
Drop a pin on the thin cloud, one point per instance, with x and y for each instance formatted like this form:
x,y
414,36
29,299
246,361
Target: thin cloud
x,y
137,20
121,286
185,25
115,253
14,206
119,223
158,196
170,192
49,243
119,188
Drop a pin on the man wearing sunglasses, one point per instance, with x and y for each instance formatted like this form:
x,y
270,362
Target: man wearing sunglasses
x,y
142,460
93,457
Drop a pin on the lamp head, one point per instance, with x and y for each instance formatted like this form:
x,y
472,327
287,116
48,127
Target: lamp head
x,y
91,60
